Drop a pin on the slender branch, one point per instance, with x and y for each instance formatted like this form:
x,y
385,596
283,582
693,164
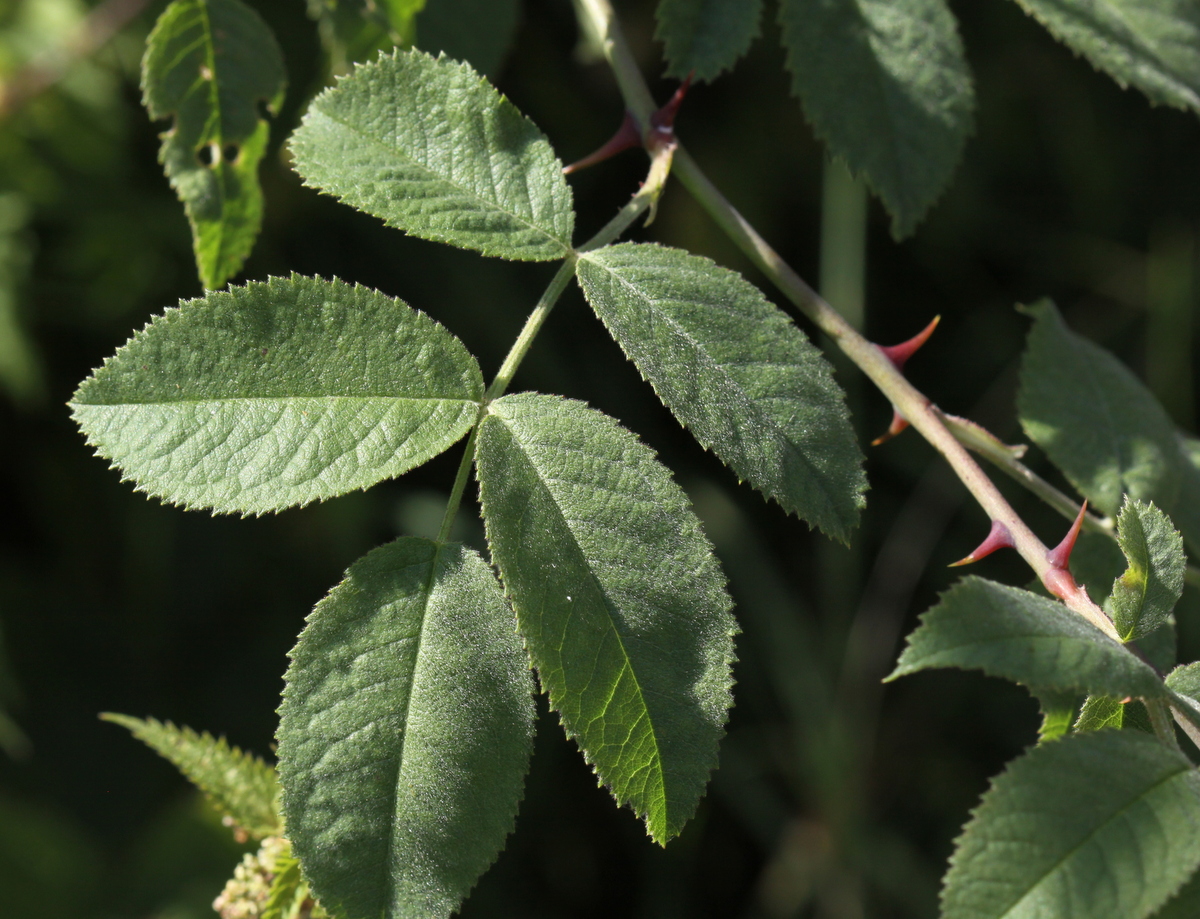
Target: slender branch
x,y
908,401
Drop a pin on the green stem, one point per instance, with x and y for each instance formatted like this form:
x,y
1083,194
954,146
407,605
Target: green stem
x,y
1160,720
920,412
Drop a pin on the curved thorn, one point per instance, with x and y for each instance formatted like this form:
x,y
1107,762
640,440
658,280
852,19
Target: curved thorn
x,y
1060,555
899,354
627,136
899,423
998,538
661,132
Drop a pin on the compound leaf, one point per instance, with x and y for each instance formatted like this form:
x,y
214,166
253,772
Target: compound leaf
x,y
737,372
706,36
271,395
1101,426
1092,826
428,146
209,63
886,85
1144,596
479,32
1153,45
1026,638
618,595
238,784
405,732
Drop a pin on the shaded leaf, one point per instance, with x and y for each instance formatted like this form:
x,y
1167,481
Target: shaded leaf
x,y
886,86
1101,426
209,64
278,394
706,36
356,30
737,372
619,598
1144,596
479,32
1026,638
405,732
1153,45
1093,826
239,784
428,146
1058,712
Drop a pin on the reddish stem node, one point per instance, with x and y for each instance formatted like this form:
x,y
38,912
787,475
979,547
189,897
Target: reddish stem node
x,y
1060,555
998,538
1061,583
899,423
627,136
899,354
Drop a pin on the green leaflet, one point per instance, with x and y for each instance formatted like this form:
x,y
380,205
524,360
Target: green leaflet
x,y
405,732
1144,596
1092,826
706,36
240,785
479,32
1058,711
1026,638
619,598
209,63
356,30
272,395
428,146
1101,426
1100,712
1185,904
885,84
737,372
289,893
1153,45
1184,684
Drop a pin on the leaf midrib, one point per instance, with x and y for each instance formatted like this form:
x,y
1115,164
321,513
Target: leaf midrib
x,y
275,399
402,153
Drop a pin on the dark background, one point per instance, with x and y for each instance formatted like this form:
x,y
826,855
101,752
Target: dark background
x,y
836,796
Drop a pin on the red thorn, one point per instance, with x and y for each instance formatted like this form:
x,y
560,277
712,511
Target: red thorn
x,y
662,122
998,538
627,136
1061,583
899,423
1060,555
899,354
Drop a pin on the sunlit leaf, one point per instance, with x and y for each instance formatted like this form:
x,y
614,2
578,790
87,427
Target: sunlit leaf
x,y
1144,596
618,595
405,732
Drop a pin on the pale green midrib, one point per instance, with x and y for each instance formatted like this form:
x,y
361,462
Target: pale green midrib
x,y
1143,794
276,399
485,203
394,807
817,475
607,603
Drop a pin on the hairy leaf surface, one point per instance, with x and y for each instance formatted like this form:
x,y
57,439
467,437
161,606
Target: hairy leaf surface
x,y
209,64
619,597
1026,638
1144,596
428,146
405,732
1092,826
278,394
737,372
706,36
238,784
479,32
1153,45
1101,426
887,87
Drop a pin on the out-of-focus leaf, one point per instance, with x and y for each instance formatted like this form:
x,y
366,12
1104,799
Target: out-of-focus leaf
x,y
426,145
618,594
1102,427
1153,45
209,64
479,32
405,732
1144,596
886,86
1093,826
20,366
239,784
1026,638
272,395
706,36
737,372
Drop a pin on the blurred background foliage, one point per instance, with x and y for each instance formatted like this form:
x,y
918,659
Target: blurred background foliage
x,y
836,797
